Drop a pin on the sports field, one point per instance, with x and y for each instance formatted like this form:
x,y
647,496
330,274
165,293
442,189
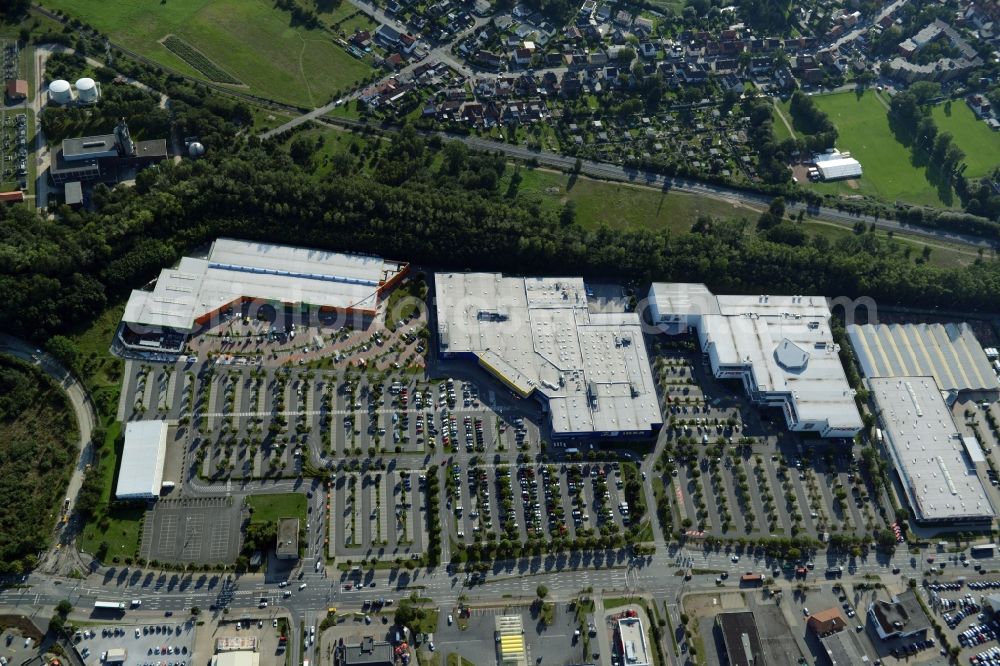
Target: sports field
x,y
889,172
980,143
249,40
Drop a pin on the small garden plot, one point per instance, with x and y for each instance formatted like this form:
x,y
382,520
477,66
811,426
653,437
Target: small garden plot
x,y
199,61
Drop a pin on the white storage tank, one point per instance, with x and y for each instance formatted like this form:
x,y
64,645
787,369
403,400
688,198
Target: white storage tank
x,y
59,92
196,149
86,91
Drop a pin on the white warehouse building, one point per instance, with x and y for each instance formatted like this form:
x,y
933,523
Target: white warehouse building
x,y
780,347
141,473
937,466
834,165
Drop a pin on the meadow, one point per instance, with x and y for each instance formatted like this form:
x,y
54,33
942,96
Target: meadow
x,y
980,143
889,169
250,40
618,205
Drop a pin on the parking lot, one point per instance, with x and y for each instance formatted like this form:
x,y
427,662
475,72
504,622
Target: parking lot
x,y
377,515
242,422
144,644
473,637
535,502
730,471
17,647
201,531
960,605
15,123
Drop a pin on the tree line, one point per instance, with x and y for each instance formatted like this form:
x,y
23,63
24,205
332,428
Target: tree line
x,y
59,273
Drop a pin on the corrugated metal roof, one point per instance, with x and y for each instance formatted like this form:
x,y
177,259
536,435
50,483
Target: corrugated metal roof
x,y
948,352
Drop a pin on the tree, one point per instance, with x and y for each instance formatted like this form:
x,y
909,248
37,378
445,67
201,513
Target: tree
x,y
542,591
568,214
64,350
64,607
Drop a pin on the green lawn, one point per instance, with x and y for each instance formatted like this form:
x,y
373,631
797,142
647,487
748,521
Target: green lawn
x,y
249,39
270,508
618,205
980,143
780,128
889,172
120,529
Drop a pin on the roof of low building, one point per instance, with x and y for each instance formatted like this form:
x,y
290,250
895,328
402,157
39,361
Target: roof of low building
x,y
902,613
949,352
238,269
740,636
537,334
927,450
141,470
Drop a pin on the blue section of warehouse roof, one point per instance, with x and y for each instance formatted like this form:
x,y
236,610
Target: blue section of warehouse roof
x,y
306,276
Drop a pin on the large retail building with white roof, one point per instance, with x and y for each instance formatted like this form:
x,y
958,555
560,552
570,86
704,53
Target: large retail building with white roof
x,y
538,337
187,297
780,347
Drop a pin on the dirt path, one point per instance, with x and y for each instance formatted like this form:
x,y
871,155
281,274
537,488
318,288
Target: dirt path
x,y
777,109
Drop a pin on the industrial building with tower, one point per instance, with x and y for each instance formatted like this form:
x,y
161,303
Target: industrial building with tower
x,y
589,370
186,298
780,347
104,157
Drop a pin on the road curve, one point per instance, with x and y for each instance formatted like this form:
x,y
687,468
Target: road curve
x,y
83,408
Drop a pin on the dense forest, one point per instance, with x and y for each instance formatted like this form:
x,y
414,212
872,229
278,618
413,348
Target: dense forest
x,y
394,201
39,434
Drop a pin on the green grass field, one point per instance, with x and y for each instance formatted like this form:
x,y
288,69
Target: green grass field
x,y
889,172
780,128
249,39
269,508
980,143
618,205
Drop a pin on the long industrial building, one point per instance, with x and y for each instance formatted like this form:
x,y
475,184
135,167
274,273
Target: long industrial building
x,y
189,296
780,347
950,353
537,336
936,465
141,472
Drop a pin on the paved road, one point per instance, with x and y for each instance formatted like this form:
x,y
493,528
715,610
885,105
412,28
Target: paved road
x,y
86,421
565,577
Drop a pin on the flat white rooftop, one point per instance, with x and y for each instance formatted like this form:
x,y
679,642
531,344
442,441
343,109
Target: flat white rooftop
x,y
141,472
276,273
537,334
782,346
928,451
948,352
633,642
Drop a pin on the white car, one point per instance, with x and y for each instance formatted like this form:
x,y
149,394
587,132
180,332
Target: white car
x,y
302,586
450,620
735,559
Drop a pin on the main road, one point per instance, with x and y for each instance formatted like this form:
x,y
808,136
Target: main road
x,y
311,595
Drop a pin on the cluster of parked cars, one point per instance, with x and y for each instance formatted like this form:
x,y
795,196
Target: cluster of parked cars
x,y
984,585
966,607
989,657
912,648
978,634
938,587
